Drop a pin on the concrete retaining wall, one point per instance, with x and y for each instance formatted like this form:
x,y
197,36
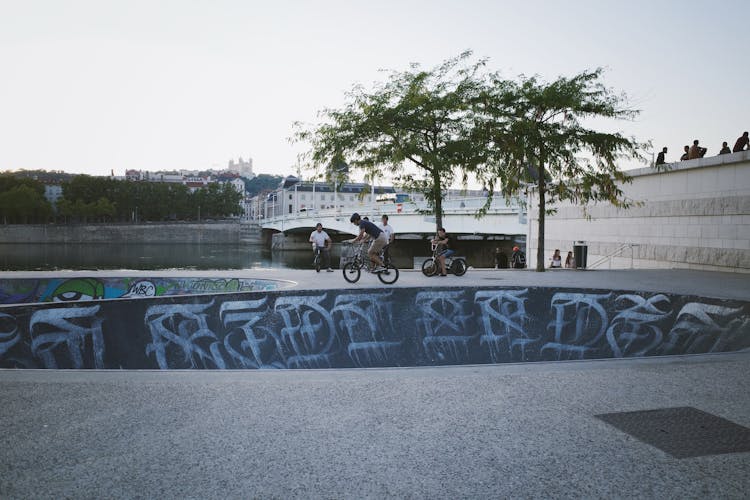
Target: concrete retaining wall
x,y
695,216
367,328
217,233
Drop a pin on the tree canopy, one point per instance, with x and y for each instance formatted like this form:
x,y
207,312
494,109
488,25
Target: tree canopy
x,y
536,134
420,118
455,120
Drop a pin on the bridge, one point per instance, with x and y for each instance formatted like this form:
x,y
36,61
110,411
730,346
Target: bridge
x,y
412,219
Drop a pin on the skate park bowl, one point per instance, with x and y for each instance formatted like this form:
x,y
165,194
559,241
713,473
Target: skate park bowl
x,y
192,323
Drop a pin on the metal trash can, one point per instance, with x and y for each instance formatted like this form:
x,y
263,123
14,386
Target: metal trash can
x,y
580,254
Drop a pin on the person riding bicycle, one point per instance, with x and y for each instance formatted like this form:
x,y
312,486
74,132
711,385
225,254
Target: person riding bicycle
x,y
321,241
443,244
379,240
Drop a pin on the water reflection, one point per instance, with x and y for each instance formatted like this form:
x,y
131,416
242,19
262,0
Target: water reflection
x,y
39,257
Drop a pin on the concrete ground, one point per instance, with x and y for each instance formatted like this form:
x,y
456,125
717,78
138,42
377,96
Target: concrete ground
x,y
516,430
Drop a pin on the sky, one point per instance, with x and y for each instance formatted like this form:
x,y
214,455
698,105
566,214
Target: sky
x,y
95,86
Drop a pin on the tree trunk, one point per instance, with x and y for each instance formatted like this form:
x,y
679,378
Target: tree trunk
x,y
438,192
540,237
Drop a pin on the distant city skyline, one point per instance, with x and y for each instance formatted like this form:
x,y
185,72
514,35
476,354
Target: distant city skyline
x,y
92,86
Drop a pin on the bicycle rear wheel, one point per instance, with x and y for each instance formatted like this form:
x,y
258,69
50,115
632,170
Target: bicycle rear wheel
x,y
429,267
352,272
389,276
458,267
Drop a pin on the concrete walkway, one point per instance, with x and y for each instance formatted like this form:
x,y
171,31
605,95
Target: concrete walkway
x,y
492,431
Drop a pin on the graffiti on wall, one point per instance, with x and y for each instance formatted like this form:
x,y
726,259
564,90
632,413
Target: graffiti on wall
x,y
368,328
25,291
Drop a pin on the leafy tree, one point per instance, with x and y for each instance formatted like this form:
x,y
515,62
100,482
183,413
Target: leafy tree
x,y
262,182
536,133
418,118
23,202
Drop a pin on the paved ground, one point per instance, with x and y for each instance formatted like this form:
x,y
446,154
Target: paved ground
x,y
526,430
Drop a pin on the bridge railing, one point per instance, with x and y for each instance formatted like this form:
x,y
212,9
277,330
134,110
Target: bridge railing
x,y
458,206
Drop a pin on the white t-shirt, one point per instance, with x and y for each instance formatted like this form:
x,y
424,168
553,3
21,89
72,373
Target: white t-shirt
x,y
388,230
319,238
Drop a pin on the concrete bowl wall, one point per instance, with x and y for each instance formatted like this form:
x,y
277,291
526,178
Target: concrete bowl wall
x,y
367,328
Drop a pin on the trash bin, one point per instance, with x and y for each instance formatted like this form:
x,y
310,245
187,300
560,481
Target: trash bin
x,y
580,254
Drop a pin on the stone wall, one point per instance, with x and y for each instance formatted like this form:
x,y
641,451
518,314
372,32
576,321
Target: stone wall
x,y
217,233
696,215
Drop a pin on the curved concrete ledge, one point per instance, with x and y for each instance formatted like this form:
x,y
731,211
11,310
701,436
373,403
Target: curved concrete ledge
x,y
86,288
377,327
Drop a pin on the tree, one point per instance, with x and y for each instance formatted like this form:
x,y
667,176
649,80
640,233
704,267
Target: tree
x,y
534,133
421,118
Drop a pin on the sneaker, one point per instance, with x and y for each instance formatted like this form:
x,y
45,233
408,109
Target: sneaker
x,y
329,270
378,269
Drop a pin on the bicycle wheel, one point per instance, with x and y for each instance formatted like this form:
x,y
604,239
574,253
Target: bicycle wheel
x,y
429,267
458,267
352,272
389,276
317,261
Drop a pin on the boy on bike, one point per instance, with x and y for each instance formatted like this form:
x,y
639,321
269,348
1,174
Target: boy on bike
x,y
379,240
322,242
443,243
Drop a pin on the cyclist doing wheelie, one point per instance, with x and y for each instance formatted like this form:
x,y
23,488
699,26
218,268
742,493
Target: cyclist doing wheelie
x,y
321,243
378,237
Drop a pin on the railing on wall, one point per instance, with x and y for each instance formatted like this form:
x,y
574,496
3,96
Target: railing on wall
x,y
608,258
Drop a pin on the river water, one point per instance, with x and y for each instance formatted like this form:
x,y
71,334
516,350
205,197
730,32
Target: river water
x,y
48,257
141,256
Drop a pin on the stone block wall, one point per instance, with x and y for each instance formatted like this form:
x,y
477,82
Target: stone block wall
x,y
216,233
696,215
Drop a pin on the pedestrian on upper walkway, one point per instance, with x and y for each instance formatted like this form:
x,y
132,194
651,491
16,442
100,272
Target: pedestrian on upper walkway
x,y
743,142
685,154
696,151
725,149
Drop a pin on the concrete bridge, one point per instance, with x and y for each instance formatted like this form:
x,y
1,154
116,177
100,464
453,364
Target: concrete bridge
x,y
411,220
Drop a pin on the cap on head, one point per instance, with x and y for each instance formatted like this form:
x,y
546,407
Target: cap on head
x,y
354,218
318,225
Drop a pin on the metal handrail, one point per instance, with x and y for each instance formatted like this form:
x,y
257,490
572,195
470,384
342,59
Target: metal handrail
x,y
619,250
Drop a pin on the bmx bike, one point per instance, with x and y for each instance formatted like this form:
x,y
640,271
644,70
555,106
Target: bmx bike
x,y
453,264
353,269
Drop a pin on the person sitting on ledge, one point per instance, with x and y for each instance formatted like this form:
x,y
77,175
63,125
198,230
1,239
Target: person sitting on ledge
x,y
685,154
660,157
696,151
725,148
742,143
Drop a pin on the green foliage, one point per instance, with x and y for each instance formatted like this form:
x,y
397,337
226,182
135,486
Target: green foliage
x,y
22,201
89,198
420,118
454,120
536,133
262,182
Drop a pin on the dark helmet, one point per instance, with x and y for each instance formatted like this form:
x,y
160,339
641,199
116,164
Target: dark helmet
x,y
354,218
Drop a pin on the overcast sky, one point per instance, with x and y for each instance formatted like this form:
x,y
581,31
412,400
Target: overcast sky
x,y
101,85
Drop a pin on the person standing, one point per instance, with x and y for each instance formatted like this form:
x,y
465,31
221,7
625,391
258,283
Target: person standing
x,y
660,157
322,242
742,142
390,234
556,260
517,259
570,261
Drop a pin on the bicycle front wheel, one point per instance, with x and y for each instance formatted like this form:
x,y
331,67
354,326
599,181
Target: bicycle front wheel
x,y
429,267
352,272
389,276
